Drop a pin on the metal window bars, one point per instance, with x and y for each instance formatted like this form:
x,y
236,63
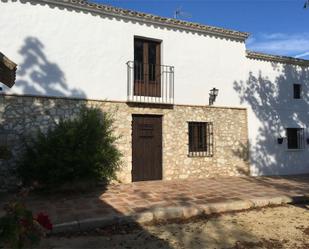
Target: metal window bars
x,y
201,139
295,138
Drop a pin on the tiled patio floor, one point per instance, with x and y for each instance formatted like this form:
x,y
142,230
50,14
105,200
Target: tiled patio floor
x,y
128,199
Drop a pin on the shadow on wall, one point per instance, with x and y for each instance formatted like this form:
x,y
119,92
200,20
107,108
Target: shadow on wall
x,y
276,109
36,75
242,153
23,116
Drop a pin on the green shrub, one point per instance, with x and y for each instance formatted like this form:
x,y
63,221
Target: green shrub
x,y
20,229
75,150
5,153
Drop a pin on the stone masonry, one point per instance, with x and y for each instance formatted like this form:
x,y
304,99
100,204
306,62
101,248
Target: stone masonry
x,y
22,116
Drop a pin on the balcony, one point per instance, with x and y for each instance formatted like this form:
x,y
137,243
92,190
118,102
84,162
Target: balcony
x,y
150,83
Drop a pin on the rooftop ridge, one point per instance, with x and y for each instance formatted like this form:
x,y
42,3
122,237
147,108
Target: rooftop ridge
x,y
8,71
276,58
7,62
108,10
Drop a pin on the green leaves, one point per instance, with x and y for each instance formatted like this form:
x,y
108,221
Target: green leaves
x,y
18,228
75,150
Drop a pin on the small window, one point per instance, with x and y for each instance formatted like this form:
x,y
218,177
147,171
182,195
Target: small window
x,y
297,91
295,137
200,139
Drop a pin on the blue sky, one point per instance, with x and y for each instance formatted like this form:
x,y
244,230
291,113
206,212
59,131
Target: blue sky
x,y
276,26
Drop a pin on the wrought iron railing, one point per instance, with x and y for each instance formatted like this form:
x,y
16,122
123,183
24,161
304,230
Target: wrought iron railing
x,y
150,83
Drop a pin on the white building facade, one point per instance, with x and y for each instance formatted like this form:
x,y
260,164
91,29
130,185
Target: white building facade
x,y
72,49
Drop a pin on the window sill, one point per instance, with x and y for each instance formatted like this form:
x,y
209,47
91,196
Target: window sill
x,y
199,155
295,150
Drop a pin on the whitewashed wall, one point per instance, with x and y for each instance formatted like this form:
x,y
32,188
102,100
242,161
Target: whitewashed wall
x,y
268,92
84,55
65,53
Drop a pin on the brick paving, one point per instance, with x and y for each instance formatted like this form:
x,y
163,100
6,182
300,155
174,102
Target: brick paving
x,y
141,197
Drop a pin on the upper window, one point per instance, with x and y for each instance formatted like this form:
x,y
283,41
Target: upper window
x,y
295,137
147,68
200,139
297,91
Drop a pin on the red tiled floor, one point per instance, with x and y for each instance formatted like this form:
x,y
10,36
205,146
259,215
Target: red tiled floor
x,y
143,196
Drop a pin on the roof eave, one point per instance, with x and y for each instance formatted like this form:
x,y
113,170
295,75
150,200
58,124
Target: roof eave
x,y
8,71
277,58
226,33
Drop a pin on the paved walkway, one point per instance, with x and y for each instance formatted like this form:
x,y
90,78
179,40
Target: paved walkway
x,y
154,200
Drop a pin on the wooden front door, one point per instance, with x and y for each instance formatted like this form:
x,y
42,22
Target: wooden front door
x,y
147,68
146,148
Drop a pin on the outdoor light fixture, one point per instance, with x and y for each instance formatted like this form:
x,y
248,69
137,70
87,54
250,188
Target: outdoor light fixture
x,y
213,95
280,140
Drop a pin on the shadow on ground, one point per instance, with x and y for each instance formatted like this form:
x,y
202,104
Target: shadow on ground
x,y
119,200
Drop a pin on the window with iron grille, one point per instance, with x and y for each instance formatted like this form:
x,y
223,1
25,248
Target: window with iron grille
x,y
200,139
296,138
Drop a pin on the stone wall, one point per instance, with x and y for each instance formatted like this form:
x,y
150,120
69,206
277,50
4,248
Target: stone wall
x,y
21,116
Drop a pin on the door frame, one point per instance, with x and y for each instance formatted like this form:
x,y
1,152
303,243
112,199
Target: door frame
x,y
144,86
147,115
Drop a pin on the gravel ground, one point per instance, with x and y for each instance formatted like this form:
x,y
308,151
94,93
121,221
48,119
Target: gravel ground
x,y
270,228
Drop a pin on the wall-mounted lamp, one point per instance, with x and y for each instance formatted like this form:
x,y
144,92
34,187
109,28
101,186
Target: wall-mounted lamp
x,y
213,95
280,140
307,140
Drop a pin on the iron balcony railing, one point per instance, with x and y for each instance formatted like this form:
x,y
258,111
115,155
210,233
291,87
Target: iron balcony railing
x,y
150,83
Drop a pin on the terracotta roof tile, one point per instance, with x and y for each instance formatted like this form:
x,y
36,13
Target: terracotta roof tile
x,y
130,14
277,58
7,71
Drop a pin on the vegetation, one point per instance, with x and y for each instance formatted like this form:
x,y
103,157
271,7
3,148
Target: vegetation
x,y
19,229
5,153
77,150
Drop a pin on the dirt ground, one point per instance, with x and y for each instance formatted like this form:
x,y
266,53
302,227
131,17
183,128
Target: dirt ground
x,y
270,228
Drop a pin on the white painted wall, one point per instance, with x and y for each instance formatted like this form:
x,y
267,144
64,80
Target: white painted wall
x,y
65,53
84,55
268,92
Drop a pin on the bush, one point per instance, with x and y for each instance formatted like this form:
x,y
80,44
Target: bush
x,y
19,229
74,151
5,153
